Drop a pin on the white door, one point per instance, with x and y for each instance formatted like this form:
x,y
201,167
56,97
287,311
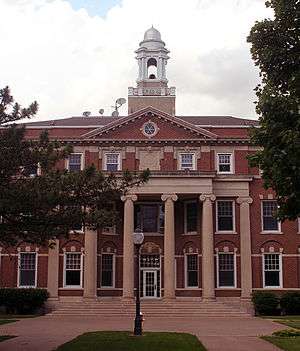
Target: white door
x,y
150,284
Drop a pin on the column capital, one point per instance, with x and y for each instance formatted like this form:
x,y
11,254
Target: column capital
x,y
131,197
205,197
166,197
244,199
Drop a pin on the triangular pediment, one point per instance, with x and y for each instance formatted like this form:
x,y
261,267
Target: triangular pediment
x,y
166,127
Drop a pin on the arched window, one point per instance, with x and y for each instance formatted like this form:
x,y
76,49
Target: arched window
x,y
152,68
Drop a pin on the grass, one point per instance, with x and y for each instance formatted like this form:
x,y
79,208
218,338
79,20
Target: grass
x,y
18,316
125,341
6,321
6,337
285,343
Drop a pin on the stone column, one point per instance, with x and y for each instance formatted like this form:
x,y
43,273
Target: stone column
x,y
245,240
90,264
53,268
169,246
208,261
128,247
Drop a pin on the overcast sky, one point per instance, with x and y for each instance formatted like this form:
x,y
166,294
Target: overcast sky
x,y
75,55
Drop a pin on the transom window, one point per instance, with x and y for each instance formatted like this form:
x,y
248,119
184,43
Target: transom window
x,y
226,270
225,216
73,269
149,218
112,162
150,261
190,217
75,162
269,221
272,270
192,270
27,269
150,129
187,161
224,163
107,270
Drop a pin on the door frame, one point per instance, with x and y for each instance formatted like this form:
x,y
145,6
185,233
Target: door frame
x,y
154,271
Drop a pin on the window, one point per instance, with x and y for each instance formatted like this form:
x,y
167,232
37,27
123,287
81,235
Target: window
x,y
75,162
191,270
149,218
75,213
269,221
190,217
73,270
272,270
226,270
225,216
187,161
107,270
224,162
31,171
27,269
112,162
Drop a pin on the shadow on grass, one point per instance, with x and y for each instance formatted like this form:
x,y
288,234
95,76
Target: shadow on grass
x,y
287,344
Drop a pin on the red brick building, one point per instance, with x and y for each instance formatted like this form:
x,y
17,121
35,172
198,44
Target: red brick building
x,y
207,220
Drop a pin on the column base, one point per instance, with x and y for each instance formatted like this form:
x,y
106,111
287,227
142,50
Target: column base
x,y
246,305
169,298
87,297
208,298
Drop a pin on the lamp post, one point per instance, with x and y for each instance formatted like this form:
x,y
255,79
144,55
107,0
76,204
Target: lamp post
x,y
138,238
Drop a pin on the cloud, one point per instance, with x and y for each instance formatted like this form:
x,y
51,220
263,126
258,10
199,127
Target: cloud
x,y
71,62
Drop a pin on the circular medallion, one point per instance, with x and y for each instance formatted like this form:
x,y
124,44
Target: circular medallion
x,y
149,129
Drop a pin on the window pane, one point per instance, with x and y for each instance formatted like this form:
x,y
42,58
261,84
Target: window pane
x,y
193,278
191,217
27,278
27,269
225,215
226,270
106,278
272,269
72,278
186,161
112,162
272,278
73,261
192,270
107,270
224,162
75,162
269,221
111,167
150,218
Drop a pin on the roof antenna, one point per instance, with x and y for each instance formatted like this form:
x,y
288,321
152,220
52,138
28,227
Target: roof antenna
x,y
119,102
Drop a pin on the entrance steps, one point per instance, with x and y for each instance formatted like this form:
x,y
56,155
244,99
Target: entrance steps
x,y
116,307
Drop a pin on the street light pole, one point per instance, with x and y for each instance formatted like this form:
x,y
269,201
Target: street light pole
x,y
138,238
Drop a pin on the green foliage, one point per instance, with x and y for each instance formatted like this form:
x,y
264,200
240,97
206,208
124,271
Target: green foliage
x,y
290,302
51,204
276,51
23,301
265,303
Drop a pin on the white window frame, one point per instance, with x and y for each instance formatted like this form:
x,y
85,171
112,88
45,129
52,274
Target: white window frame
x,y
280,270
112,153
234,270
185,217
193,161
19,270
266,231
231,163
233,231
114,271
81,160
186,272
65,271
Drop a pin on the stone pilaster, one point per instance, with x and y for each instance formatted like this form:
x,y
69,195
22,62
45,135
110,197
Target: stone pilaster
x,y
53,267
90,264
245,240
208,261
128,247
169,246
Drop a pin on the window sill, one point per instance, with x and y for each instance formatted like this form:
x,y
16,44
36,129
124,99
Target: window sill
x,y
107,287
227,288
270,232
272,287
71,288
192,287
225,232
225,173
27,286
76,232
153,234
107,233
190,233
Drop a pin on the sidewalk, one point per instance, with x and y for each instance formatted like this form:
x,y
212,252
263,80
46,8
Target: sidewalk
x,y
226,334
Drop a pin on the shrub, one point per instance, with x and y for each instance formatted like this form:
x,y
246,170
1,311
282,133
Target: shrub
x,y
22,301
288,333
265,303
290,302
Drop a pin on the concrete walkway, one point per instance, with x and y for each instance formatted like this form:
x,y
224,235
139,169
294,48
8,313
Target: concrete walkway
x,y
217,334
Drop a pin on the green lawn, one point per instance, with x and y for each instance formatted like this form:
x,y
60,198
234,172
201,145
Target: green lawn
x,y
18,316
287,344
125,341
6,337
5,321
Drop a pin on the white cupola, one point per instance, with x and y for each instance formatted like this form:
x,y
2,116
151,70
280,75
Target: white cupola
x,y
152,57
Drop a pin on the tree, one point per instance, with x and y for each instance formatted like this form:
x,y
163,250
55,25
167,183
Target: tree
x,y
276,51
52,203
